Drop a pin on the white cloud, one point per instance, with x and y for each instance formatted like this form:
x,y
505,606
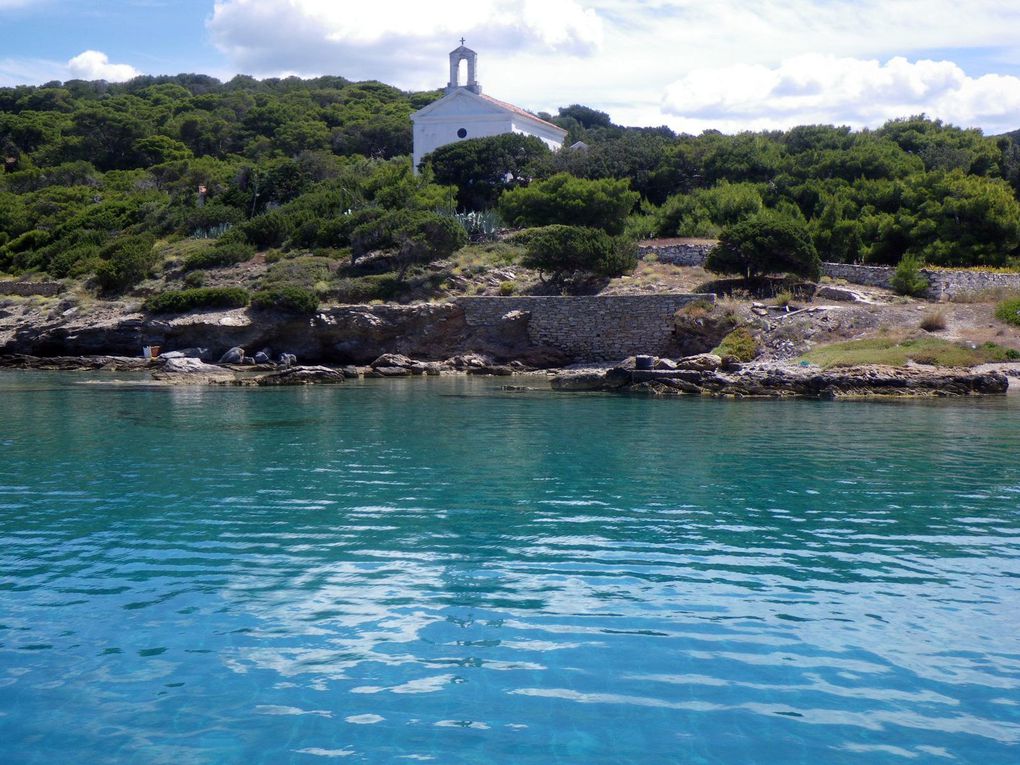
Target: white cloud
x,y
399,42
815,88
726,64
95,65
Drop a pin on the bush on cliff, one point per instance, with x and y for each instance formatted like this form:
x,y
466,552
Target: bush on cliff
x,y
766,243
562,249
181,301
224,254
297,300
125,262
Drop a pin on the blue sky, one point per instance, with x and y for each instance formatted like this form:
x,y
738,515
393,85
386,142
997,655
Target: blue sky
x,y
691,64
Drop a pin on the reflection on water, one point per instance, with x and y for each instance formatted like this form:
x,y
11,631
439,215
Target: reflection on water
x,y
437,570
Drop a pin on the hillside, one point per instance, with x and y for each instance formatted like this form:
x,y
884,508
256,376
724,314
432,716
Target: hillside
x,y
302,190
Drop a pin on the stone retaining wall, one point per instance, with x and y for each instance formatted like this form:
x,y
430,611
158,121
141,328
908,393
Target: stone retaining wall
x,y
685,254
596,328
45,289
943,285
871,276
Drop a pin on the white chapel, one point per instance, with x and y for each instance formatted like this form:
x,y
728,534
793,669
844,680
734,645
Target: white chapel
x,y
464,112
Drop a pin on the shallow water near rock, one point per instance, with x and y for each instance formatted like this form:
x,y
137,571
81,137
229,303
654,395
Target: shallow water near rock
x,y
438,570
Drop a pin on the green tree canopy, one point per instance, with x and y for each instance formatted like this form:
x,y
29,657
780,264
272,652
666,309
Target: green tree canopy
x,y
483,168
564,199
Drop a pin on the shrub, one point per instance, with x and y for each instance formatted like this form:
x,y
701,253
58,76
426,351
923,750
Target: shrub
x,y
289,299
1009,311
561,249
738,344
766,243
934,321
784,298
223,254
908,279
194,279
181,301
507,288
270,229
125,262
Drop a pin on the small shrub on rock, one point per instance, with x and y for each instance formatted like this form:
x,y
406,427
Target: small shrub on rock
x,y
908,279
738,344
1009,311
181,301
288,299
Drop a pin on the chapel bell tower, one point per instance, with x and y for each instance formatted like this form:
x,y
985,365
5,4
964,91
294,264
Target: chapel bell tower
x,y
456,56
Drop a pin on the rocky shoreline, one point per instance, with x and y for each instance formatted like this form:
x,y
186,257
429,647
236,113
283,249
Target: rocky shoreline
x,y
700,375
706,375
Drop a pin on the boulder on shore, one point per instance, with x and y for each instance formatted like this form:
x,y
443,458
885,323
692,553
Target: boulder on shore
x,y
234,356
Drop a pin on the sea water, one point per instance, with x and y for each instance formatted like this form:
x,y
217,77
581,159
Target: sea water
x,y
439,570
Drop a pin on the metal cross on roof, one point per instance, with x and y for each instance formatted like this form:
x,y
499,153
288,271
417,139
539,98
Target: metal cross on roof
x,y
462,41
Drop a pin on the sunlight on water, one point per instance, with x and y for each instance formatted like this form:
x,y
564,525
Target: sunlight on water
x,y
437,570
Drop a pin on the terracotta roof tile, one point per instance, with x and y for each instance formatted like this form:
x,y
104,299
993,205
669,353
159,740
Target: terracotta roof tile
x,y
518,110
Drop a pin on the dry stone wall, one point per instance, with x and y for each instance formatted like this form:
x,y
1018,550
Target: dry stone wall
x,y
596,328
24,289
682,254
943,285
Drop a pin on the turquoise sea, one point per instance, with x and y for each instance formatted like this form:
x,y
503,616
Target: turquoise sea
x,y
437,570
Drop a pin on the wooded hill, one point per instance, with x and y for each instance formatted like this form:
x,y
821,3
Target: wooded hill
x,y
96,173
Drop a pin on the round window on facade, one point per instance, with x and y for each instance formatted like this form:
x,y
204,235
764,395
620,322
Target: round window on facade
x,y
462,133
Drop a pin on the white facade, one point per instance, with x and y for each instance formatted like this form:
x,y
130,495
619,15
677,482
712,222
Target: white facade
x,y
465,113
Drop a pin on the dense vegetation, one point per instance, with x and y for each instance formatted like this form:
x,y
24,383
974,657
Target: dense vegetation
x,y
97,175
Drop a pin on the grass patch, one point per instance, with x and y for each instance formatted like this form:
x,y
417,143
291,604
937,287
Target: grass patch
x,y
475,257
365,289
892,352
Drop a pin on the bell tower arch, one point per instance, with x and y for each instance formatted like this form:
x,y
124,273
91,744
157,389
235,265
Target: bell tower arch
x,y
456,56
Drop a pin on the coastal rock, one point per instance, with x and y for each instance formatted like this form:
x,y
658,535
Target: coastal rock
x,y
781,380
186,371
388,372
310,375
708,362
496,370
76,363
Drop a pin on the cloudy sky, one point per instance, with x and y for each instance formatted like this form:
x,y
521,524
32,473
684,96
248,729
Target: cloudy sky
x,y
691,64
